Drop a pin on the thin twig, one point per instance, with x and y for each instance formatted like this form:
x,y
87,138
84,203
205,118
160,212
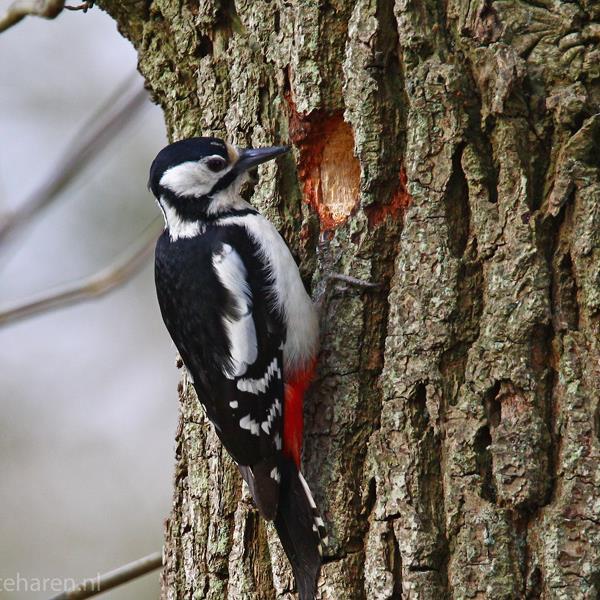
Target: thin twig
x,y
93,286
353,280
102,583
49,9
94,135
84,6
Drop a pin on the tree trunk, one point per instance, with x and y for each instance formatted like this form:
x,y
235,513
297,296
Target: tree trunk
x,y
451,152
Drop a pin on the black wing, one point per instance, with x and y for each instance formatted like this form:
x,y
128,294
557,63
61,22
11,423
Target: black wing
x,y
213,295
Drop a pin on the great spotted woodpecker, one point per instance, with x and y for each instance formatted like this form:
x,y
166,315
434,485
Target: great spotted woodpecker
x,y
232,299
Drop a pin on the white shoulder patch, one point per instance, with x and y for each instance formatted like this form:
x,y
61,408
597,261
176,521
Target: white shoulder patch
x,y
240,328
288,293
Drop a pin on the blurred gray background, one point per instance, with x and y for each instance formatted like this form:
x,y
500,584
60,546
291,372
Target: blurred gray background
x,y
88,393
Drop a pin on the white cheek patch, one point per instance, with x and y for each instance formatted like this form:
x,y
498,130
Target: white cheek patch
x,y
239,328
192,178
188,179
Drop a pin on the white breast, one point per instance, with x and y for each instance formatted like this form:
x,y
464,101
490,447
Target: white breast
x,y
289,295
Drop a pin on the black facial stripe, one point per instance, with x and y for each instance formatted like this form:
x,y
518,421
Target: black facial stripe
x,y
194,208
231,213
224,182
189,209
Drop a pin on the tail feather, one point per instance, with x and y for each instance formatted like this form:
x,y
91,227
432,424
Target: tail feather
x,y
263,486
300,529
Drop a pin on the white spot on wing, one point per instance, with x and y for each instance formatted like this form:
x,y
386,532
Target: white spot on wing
x,y
275,408
239,328
260,386
250,424
275,474
233,404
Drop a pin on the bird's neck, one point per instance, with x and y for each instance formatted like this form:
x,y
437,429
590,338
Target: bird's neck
x,y
178,226
187,217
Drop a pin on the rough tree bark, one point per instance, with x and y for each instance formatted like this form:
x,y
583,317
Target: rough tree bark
x,y
450,150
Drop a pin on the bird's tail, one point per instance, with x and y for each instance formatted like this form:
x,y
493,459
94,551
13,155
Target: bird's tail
x,y
300,529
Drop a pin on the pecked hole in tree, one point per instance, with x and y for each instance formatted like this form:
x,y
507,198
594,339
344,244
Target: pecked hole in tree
x,y
327,167
340,177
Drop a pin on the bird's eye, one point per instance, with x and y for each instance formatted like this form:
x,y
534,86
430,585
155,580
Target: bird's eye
x,y
216,164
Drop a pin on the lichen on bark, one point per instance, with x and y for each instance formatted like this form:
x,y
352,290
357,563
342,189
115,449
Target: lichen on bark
x,y
453,430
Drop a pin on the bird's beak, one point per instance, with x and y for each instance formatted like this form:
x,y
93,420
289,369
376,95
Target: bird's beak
x,y
252,157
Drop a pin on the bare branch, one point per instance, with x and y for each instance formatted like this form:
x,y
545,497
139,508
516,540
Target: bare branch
x,y
91,287
102,583
94,135
49,9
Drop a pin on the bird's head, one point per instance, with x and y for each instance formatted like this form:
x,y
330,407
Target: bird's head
x,y
200,178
